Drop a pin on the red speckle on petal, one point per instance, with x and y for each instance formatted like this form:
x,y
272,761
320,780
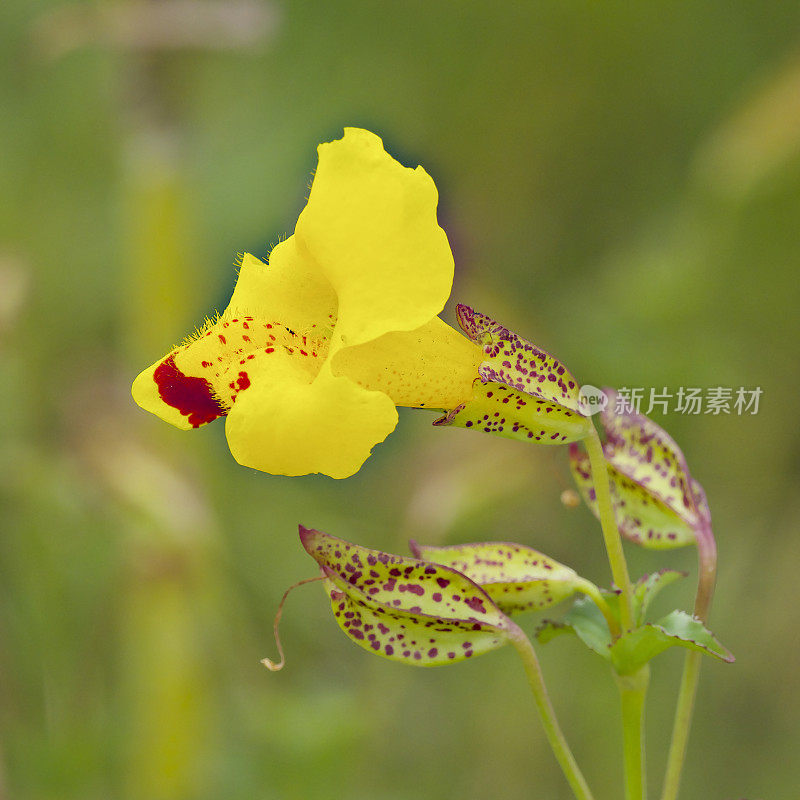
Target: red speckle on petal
x,y
192,397
222,338
243,381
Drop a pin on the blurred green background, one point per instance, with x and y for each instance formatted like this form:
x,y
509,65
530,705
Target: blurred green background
x,y
620,182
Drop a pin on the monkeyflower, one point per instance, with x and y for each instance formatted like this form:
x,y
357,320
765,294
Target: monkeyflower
x,y
318,346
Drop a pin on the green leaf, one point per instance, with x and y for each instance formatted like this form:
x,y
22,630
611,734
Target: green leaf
x,y
549,629
678,629
405,609
516,577
590,626
523,392
586,621
642,516
648,586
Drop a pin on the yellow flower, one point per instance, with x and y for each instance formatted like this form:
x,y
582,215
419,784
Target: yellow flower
x,y
317,347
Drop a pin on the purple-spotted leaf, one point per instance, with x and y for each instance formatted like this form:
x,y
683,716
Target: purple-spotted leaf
x,y
405,609
522,392
642,517
678,629
648,586
516,577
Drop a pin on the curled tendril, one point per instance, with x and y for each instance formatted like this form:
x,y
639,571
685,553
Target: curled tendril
x,y
271,665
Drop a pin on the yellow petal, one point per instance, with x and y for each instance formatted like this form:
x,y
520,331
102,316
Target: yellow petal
x,y
370,225
287,427
290,289
431,367
202,379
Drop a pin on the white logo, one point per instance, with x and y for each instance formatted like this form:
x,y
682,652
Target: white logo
x,y
591,400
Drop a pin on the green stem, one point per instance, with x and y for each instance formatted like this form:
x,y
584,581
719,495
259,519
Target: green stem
x,y
682,724
552,729
633,690
707,557
616,556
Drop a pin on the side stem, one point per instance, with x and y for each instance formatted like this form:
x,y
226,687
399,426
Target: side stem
x,y
707,558
613,541
552,729
593,592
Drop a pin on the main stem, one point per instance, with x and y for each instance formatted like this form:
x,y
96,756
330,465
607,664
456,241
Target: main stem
x,y
633,690
707,558
616,556
552,729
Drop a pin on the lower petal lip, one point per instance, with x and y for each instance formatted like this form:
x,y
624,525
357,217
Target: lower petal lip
x,y
192,397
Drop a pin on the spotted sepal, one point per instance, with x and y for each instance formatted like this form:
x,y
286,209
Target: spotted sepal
x,y
648,586
495,408
642,517
516,577
700,502
678,629
405,609
515,362
646,454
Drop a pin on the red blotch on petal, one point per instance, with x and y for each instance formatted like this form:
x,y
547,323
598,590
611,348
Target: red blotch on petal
x,y
192,397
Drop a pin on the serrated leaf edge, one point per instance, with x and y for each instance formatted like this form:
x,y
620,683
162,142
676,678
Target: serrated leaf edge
x,y
729,658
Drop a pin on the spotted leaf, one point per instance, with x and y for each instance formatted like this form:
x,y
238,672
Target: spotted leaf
x,y
522,391
405,609
642,517
677,629
648,586
516,577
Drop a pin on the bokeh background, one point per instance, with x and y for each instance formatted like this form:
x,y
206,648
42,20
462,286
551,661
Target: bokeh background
x,y
620,182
